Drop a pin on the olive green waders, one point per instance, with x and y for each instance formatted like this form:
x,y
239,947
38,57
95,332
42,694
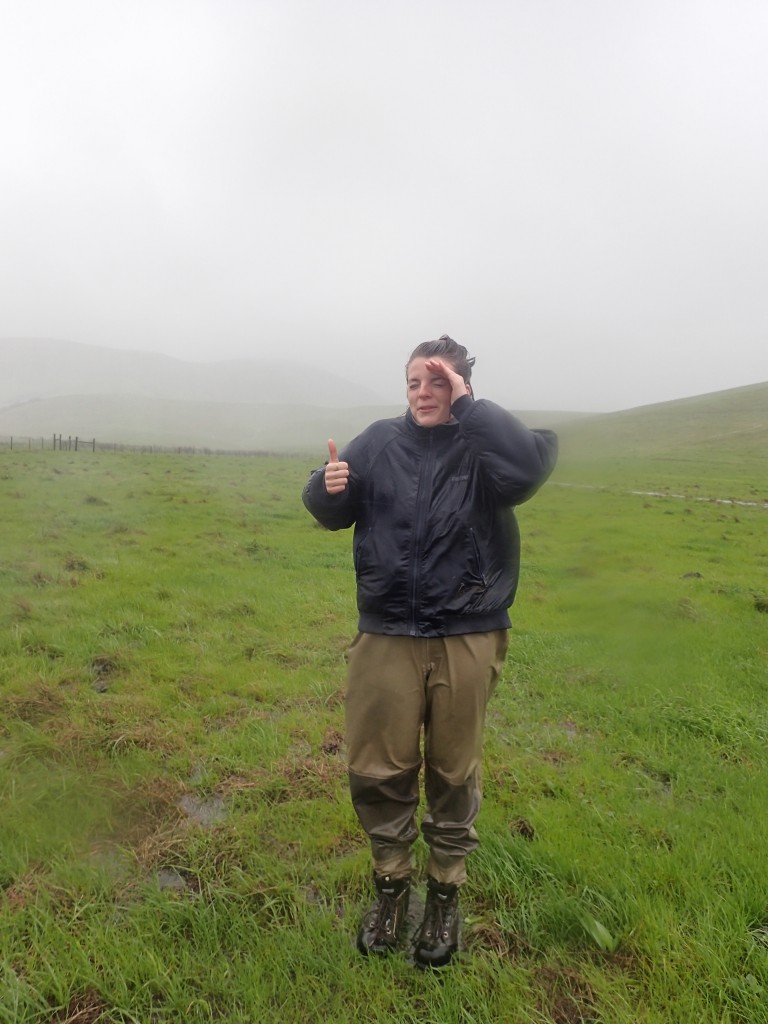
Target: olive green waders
x,y
397,686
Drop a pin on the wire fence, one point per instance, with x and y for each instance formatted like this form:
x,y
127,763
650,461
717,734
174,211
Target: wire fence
x,y
69,443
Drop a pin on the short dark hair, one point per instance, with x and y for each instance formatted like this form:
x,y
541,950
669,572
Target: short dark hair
x,y
445,348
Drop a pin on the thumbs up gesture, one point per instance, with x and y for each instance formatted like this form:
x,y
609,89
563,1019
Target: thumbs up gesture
x,y
336,473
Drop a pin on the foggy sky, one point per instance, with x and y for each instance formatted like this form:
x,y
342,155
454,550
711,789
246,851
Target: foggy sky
x,y
576,189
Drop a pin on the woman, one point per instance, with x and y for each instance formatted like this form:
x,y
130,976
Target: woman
x,y
436,552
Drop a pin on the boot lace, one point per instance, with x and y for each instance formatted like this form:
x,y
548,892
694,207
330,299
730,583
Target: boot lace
x,y
440,915
383,919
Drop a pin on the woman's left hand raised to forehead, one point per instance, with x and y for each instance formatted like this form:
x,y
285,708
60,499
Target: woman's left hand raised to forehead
x,y
444,369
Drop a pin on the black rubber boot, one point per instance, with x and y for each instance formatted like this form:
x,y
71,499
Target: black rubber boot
x,y
384,924
438,937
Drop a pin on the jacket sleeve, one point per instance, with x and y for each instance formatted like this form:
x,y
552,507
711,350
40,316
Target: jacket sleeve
x,y
515,460
333,511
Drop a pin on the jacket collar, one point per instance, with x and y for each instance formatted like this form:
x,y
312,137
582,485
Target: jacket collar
x,y
441,431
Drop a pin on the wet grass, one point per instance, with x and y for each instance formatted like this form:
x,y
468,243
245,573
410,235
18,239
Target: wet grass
x,y
177,842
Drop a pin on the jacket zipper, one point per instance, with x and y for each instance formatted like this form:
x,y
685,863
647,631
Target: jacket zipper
x,y
422,500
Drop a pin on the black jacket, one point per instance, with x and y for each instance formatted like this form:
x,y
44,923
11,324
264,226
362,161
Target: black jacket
x,y
436,544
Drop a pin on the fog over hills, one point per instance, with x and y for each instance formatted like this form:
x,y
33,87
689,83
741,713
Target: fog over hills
x,y
140,398
56,387
37,368
51,387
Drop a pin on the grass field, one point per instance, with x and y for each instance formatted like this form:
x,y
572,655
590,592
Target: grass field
x,y
177,841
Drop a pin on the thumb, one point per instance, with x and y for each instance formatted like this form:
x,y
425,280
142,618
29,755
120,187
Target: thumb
x,y
333,453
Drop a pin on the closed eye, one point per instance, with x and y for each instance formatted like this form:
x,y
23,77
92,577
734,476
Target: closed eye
x,y
436,382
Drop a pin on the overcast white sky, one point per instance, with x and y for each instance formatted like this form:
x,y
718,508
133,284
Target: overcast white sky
x,y
576,189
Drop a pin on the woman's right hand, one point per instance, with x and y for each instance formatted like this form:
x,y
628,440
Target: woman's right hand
x,y
336,473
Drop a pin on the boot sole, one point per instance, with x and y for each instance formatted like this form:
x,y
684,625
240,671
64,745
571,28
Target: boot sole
x,y
437,963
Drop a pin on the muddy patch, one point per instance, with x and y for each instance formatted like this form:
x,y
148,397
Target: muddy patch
x,y
333,742
104,667
568,997
83,1008
203,810
38,706
311,778
523,828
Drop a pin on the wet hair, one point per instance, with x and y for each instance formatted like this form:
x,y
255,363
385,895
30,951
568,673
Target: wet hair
x,y
445,348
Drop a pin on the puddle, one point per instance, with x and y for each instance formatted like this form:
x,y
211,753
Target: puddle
x,y
203,810
167,878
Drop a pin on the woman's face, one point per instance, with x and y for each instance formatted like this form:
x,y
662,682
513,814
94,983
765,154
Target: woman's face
x,y
429,395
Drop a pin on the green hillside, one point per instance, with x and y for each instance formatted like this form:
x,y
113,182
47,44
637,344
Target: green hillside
x,y
711,444
734,419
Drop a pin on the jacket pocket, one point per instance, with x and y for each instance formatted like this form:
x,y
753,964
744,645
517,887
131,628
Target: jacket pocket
x,y
473,581
479,565
358,551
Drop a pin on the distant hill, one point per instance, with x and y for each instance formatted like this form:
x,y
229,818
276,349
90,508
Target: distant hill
x,y
711,446
226,426
735,419
40,368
